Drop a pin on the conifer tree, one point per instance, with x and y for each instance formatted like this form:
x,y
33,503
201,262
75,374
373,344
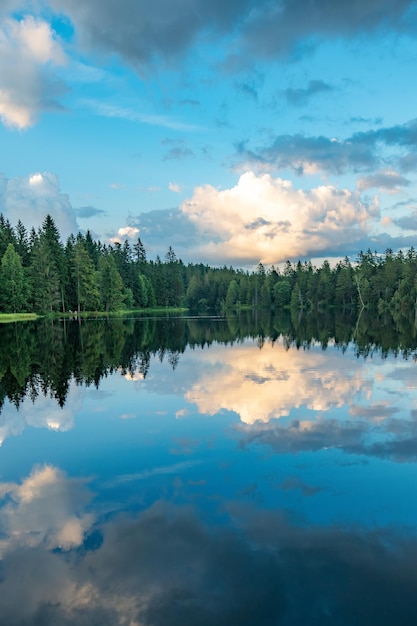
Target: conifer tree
x,y
14,290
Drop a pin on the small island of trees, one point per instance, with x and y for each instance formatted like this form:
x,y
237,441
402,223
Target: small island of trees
x,y
40,274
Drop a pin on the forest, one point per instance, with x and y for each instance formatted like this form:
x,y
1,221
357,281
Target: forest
x,y
39,273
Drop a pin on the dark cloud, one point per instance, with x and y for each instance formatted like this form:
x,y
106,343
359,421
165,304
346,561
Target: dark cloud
x,y
357,119
388,181
372,412
275,29
408,163
378,242
407,222
300,153
89,211
178,149
162,228
247,89
359,152
165,568
143,31
394,439
260,221
178,152
301,96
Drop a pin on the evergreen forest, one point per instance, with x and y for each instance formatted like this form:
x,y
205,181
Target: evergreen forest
x,y
40,273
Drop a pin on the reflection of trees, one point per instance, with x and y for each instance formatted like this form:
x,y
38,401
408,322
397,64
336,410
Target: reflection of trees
x,y
42,357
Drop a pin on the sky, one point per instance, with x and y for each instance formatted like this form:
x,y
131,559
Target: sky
x,y
236,131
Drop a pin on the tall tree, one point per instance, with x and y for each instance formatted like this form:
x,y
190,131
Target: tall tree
x,y
44,278
14,284
22,243
111,284
49,233
85,278
140,252
7,235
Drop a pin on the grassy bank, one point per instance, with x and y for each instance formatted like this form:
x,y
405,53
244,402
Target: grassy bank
x,y
22,317
6,318
121,313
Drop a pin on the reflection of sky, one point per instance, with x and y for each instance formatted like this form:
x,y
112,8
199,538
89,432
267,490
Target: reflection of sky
x,y
281,452
164,566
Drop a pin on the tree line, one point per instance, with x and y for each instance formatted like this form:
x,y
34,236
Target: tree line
x,y
39,273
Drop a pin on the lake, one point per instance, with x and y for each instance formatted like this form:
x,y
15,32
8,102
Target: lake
x,y
246,470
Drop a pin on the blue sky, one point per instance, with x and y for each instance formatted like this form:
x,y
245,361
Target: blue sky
x,y
235,131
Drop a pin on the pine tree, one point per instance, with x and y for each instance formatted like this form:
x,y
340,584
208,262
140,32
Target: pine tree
x,y
14,284
44,278
111,284
49,233
85,278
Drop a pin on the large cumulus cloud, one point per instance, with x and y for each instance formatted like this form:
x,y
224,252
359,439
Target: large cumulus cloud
x,y
260,385
268,219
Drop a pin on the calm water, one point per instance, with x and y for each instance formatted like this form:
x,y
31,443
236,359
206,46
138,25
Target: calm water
x,y
206,472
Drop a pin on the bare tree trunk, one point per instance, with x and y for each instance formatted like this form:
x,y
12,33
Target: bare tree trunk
x,y
359,293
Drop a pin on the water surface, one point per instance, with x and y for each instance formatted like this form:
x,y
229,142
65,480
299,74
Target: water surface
x,y
206,471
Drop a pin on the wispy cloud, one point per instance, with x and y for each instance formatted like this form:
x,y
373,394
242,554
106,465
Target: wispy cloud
x,y
117,111
149,473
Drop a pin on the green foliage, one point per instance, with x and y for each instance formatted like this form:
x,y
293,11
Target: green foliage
x,y
14,284
232,295
44,278
86,275
111,284
85,278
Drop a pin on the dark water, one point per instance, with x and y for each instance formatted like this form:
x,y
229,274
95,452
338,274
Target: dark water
x,y
208,472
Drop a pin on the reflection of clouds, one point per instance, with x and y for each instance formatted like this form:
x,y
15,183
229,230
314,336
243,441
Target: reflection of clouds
x,y
135,376
263,384
149,473
165,568
394,439
45,509
295,483
43,413
377,412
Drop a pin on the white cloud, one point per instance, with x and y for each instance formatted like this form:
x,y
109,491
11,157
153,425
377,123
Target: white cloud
x,y
174,187
45,509
33,197
129,232
267,218
28,50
